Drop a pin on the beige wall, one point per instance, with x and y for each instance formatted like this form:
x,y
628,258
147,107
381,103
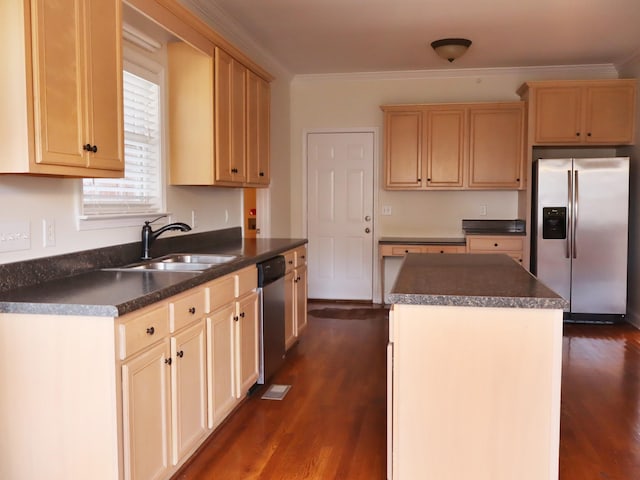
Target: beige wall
x,y
352,101
632,70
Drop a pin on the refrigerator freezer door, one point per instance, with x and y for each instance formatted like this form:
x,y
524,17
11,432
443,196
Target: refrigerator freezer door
x,y
599,279
553,254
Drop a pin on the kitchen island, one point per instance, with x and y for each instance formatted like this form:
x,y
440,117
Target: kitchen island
x,y
474,369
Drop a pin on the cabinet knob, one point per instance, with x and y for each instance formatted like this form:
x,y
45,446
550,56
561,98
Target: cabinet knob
x,y
180,354
577,134
192,310
298,279
406,251
261,174
428,179
241,314
495,244
419,179
236,318
589,134
290,262
167,361
90,148
517,179
441,251
151,331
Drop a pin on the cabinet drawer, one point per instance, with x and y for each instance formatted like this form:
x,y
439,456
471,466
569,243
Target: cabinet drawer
x,y
300,256
142,330
290,260
401,250
246,280
497,244
184,309
444,249
221,291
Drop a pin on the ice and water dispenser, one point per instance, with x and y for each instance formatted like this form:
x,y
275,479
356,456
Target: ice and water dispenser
x,y
554,222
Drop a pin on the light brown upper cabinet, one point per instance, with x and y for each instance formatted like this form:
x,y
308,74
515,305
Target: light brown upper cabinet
x,y
454,146
581,112
258,130
496,145
219,120
61,89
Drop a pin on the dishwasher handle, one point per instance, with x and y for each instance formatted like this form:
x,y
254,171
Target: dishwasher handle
x,y
271,270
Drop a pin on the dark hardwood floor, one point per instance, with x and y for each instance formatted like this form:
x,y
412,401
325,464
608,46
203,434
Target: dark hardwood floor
x,y
332,423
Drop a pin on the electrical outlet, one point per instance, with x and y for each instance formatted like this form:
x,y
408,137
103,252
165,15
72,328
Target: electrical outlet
x,y
15,236
48,232
387,210
483,210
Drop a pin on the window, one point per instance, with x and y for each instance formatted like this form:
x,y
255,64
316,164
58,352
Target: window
x,y
140,192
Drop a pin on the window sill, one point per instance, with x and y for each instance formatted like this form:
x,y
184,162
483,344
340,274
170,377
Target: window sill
x,y
99,222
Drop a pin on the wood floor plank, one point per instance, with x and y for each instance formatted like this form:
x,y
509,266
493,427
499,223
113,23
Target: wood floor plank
x,y
332,423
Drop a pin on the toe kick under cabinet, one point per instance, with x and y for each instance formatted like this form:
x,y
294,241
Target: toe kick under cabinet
x,y
130,397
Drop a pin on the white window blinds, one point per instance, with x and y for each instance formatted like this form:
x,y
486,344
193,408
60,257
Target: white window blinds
x,y
139,191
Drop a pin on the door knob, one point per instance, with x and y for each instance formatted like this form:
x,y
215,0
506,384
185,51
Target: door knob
x,y
367,230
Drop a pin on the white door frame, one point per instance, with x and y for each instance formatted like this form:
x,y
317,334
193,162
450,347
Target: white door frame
x,y
377,296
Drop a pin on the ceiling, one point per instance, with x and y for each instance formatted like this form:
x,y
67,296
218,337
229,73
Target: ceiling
x,y
339,36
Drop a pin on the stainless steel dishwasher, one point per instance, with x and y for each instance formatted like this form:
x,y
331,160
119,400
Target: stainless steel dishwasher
x,y
271,288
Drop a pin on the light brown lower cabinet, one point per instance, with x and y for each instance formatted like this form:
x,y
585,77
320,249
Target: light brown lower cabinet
x,y
295,297
131,397
507,244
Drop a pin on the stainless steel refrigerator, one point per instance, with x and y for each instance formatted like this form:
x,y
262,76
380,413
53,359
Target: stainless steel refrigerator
x,y
579,247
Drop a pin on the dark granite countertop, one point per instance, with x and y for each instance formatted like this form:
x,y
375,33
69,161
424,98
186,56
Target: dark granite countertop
x,y
471,280
97,292
421,241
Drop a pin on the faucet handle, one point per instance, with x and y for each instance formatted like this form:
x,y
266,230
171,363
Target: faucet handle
x,y
147,222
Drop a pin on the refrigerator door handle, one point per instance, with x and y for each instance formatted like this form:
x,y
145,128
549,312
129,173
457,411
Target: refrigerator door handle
x,y
569,236
576,196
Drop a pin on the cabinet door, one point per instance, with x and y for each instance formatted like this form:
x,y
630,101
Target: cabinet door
x,y
188,390
444,148
145,414
104,96
558,115
258,104
403,150
247,353
220,364
223,109
301,298
59,89
609,114
238,122
496,146
290,330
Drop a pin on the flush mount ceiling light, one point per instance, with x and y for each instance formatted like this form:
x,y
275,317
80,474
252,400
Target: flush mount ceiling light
x,y
451,48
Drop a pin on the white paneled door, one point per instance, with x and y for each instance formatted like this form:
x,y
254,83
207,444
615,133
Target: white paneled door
x,y
340,215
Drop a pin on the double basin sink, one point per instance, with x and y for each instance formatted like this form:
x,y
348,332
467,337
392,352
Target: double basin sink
x,y
179,262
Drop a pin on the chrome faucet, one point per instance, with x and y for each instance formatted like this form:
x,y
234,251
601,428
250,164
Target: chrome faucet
x,y
148,235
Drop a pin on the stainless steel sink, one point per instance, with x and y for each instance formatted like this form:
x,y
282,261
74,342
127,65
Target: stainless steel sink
x,y
172,267
179,262
202,258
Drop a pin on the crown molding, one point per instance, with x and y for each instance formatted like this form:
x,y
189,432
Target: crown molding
x,y
605,70
227,26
